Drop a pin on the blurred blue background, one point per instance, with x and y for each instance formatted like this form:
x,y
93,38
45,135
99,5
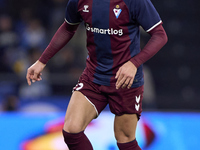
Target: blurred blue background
x,y
171,99
156,131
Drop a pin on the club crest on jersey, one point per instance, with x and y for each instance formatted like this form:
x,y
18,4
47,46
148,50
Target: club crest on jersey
x,y
117,11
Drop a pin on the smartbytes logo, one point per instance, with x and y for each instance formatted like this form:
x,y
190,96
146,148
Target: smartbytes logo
x,y
110,31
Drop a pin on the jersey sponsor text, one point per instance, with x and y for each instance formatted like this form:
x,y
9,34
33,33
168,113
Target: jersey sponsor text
x,y
110,31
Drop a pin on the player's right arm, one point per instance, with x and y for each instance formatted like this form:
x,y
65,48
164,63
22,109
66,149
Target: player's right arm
x,y
34,72
59,40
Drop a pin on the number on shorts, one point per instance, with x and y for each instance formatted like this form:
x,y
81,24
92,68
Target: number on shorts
x,y
78,87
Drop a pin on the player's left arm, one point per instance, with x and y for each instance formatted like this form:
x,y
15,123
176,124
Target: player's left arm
x,y
126,73
156,42
146,15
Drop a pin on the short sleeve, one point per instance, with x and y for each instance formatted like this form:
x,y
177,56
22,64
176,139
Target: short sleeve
x,y
72,15
146,14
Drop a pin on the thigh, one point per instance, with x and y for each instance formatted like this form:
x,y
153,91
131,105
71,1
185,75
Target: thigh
x,y
92,93
125,127
79,114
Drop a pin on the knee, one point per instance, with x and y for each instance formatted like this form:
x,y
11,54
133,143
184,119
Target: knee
x,y
125,127
123,137
73,127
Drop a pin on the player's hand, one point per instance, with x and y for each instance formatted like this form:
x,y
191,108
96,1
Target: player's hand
x,y
34,72
125,75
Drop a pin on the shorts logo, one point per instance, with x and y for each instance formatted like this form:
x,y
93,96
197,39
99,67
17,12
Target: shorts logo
x,y
117,11
137,105
85,8
78,87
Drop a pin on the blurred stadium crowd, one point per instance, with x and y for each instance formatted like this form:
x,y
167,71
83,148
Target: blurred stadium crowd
x,y
26,28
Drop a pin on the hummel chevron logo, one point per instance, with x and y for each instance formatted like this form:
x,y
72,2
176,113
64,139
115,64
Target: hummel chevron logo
x,y
137,106
137,99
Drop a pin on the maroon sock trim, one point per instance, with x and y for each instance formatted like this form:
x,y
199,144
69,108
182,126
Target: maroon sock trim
x,y
77,141
133,145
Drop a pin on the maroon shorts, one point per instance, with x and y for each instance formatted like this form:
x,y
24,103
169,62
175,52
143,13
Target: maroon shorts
x,y
121,101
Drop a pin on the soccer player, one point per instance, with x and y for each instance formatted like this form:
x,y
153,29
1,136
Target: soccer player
x,y
113,73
